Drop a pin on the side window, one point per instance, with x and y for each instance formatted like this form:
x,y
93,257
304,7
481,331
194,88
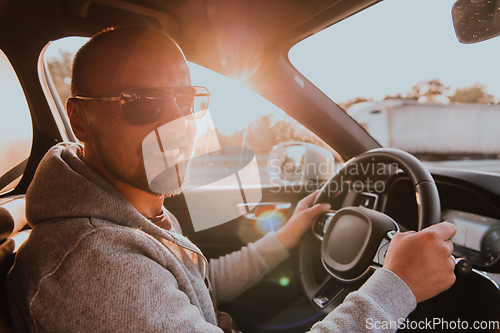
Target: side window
x,y
58,57
16,131
245,119
240,116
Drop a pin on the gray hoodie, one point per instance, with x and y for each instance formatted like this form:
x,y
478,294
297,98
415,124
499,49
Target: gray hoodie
x,y
93,263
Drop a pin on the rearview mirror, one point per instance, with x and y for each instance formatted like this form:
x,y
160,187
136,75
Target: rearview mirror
x,y
300,163
476,20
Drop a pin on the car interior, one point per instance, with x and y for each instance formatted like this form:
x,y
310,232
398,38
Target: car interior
x,y
252,40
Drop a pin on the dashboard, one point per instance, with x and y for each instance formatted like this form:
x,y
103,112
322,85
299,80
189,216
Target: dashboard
x,y
469,200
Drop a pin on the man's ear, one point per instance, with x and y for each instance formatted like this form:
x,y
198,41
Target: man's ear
x,y
78,120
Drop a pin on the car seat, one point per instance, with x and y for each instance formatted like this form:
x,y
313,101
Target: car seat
x,y
12,235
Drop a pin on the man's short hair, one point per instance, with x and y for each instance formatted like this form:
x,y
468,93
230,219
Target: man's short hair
x,y
83,68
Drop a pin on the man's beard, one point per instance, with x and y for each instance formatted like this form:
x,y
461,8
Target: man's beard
x,y
171,183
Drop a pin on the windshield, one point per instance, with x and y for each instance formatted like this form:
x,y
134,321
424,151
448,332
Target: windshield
x,y
399,70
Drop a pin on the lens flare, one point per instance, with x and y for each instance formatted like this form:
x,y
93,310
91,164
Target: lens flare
x,y
269,218
284,281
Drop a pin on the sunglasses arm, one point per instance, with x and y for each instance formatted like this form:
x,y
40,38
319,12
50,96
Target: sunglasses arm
x,y
106,99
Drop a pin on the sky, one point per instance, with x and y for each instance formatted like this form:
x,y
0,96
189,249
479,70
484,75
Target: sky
x,y
389,47
383,50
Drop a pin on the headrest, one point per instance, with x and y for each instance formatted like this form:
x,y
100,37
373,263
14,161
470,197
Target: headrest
x,y
12,215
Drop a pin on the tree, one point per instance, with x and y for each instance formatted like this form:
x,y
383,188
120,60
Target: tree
x,y
233,140
434,91
260,135
397,96
473,94
345,105
60,73
431,91
264,133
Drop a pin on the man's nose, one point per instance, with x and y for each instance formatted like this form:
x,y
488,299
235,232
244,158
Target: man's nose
x,y
173,116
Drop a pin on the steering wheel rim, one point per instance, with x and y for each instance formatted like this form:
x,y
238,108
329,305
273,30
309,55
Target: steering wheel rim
x,y
429,212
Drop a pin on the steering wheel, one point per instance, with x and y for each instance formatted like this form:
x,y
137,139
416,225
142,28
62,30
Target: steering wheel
x,y
346,246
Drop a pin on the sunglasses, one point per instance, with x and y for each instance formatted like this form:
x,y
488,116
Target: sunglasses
x,y
145,105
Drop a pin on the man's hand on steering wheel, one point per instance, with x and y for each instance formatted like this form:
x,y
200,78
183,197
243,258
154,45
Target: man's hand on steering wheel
x,y
301,220
423,259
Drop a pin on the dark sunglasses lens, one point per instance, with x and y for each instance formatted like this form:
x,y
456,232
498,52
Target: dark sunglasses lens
x,y
142,105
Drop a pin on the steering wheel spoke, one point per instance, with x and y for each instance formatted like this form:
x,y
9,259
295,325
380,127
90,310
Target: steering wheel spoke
x,y
329,293
321,223
378,259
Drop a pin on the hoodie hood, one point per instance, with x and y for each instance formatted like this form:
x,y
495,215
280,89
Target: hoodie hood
x,y
65,187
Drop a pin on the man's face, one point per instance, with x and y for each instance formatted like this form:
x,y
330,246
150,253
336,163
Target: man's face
x,y
152,62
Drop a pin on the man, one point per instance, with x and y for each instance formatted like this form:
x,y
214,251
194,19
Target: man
x,y
96,262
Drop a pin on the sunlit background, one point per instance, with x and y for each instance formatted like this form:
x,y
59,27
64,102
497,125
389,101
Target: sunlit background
x,y
388,48
397,49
